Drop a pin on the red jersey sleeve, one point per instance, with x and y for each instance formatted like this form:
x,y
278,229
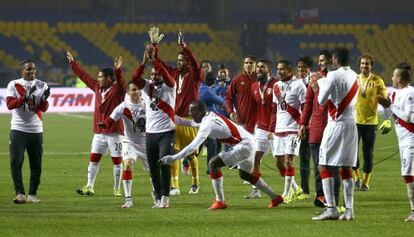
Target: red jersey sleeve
x,y
272,124
119,75
228,99
137,76
13,102
85,77
307,108
195,66
168,79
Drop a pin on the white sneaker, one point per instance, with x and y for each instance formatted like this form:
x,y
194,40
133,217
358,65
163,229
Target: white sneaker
x,y
254,194
174,191
32,199
348,215
410,218
328,214
165,202
157,204
128,203
19,199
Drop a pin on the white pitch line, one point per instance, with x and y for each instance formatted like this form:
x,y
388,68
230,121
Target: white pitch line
x,y
76,116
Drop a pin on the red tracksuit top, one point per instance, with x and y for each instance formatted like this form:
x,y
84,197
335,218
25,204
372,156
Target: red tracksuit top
x,y
104,106
264,111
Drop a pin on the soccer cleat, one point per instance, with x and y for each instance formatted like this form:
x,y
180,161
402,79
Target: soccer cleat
x,y
117,192
357,186
287,199
255,193
275,202
364,187
348,215
128,203
303,197
32,199
217,205
341,209
246,182
19,199
86,191
157,204
174,191
194,189
410,218
165,202
328,214
319,201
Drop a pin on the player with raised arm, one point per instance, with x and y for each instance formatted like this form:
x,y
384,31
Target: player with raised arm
x,y
339,142
401,105
188,76
132,113
159,98
109,91
240,155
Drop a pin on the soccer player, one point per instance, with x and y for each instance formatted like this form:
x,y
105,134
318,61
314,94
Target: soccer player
x,y
262,91
159,99
109,92
27,98
401,106
239,100
132,113
188,76
339,141
289,95
241,154
371,85
304,69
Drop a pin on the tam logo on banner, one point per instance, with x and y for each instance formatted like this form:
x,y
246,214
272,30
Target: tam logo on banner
x,y
62,100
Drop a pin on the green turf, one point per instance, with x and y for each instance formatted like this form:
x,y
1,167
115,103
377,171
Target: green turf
x,y
379,212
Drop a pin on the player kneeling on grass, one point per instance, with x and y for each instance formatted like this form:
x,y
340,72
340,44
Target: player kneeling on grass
x,y
401,105
240,155
132,113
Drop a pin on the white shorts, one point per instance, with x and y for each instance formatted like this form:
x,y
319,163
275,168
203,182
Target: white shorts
x,y
134,151
262,140
101,143
286,145
240,155
339,145
407,160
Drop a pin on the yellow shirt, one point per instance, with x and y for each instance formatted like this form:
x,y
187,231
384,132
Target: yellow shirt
x,y
367,103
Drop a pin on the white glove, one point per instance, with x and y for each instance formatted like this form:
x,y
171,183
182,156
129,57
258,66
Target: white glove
x,y
167,160
154,35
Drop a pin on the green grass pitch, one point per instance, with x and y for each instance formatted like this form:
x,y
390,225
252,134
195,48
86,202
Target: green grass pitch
x,y
62,212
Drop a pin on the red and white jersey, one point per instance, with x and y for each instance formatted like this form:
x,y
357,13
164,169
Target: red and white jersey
x,y
402,108
159,107
289,95
26,118
339,89
133,118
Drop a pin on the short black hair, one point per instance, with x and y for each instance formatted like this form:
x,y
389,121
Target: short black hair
x,y
326,53
210,79
206,61
405,71
199,105
287,63
367,56
222,66
24,62
108,72
267,62
403,65
306,60
342,54
252,57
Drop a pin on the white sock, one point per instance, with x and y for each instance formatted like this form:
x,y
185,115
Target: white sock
x,y
261,184
288,185
127,187
294,184
348,192
93,170
328,190
410,191
218,188
117,176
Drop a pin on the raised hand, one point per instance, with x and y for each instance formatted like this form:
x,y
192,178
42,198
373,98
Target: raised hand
x,y
69,56
154,35
145,56
151,53
180,38
118,62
